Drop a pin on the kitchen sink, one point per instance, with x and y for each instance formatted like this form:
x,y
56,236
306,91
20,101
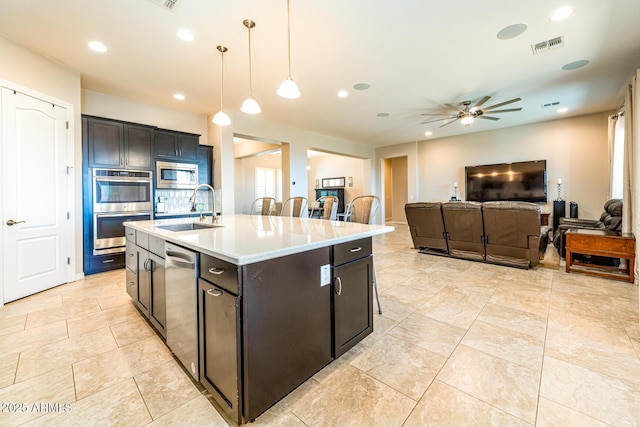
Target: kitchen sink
x,y
188,226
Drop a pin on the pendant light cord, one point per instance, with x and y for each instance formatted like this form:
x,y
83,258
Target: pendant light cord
x,y
289,35
250,84
221,77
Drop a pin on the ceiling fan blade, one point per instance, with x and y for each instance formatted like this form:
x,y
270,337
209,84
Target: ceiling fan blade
x,y
454,107
436,114
502,103
482,101
489,118
508,110
448,123
437,120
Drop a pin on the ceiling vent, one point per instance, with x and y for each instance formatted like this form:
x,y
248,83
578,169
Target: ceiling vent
x,y
547,45
550,104
171,5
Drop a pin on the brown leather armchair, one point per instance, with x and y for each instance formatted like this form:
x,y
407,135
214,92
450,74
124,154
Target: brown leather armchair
x,y
513,235
427,227
611,219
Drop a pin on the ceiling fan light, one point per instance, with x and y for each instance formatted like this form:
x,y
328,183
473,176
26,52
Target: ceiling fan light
x,y
221,118
250,106
467,120
289,89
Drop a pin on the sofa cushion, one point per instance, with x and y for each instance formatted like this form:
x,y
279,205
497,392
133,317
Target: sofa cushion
x,y
426,226
465,232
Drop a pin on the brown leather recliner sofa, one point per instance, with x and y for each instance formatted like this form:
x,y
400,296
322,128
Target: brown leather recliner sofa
x,y
611,219
507,233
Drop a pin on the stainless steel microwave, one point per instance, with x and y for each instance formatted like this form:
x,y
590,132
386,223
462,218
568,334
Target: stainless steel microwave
x,y
176,175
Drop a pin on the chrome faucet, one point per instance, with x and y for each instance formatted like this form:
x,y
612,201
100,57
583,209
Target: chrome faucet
x,y
192,199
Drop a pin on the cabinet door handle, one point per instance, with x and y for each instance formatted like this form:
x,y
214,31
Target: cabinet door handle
x,y
214,292
352,250
216,271
338,282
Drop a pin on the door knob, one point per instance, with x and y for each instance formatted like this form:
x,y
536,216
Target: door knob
x,y
12,222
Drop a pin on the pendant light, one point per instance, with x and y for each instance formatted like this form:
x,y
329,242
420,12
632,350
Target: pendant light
x,y
250,106
221,118
289,89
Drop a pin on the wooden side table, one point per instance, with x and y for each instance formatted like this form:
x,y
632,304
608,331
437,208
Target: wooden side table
x,y
601,243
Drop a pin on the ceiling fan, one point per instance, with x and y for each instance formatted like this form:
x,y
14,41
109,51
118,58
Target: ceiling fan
x,y
466,115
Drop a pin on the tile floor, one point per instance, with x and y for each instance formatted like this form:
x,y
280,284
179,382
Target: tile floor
x,y
459,343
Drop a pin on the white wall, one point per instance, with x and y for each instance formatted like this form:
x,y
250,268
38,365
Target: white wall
x,y
332,166
575,150
113,107
25,68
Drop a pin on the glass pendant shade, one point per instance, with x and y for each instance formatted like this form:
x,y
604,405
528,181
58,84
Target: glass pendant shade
x,y
467,120
289,89
221,118
250,106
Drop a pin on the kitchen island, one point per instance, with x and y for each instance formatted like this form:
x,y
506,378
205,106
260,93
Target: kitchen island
x,y
271,300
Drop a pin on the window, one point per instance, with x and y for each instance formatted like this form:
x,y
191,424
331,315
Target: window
x,y
268,183
618,159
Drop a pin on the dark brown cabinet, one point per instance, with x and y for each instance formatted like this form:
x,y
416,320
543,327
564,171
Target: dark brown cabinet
x,y
176,146
145,277
352,294
115,144
219,320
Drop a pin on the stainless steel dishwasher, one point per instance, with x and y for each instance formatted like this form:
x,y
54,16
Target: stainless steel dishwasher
x,y
181,274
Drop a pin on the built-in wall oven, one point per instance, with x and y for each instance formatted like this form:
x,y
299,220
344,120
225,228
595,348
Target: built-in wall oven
x,y
118,196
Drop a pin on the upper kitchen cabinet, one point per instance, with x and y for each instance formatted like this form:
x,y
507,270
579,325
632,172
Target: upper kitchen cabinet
x,y
114,144
176,145
205,164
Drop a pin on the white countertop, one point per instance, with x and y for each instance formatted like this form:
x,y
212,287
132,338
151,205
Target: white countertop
x,y
245,239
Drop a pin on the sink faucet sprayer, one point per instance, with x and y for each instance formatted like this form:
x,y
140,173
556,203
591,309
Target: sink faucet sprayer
x,y
192,199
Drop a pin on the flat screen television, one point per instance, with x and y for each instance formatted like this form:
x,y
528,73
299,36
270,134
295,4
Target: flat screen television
x,y
521,181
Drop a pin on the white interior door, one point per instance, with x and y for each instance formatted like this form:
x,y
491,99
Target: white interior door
x,y
35,225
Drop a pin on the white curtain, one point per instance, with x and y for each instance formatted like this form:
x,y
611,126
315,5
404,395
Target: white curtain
x,y
631,206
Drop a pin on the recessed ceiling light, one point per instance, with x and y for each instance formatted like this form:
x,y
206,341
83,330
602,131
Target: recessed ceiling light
x,y
428,133
511,31
562,13
343,94
179,97
361,86
563,110
575,65
186,35
97,46
382,114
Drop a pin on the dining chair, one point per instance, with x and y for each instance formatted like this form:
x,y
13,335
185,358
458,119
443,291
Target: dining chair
x,y
294,206
325,207
362,209
263,206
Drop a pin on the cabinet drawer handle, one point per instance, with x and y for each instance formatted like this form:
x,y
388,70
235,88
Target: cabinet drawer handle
x,y
338,286
216,271
131,255
107,261
214,292
352,250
